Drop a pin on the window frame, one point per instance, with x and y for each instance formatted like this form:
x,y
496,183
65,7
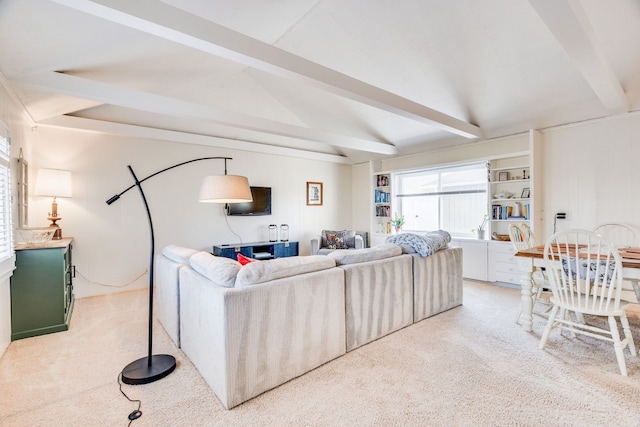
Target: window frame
x,y
440,192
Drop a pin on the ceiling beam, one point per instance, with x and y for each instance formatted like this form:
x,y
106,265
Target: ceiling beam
x,y
134,131
170,23
110,94
569,24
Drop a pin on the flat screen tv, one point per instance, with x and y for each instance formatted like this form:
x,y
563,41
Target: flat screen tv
x,y
261,204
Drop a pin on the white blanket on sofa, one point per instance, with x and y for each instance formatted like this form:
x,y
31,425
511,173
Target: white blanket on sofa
x,y
422,244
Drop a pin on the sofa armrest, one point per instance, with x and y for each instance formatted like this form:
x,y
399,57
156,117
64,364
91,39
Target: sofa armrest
x,y
315,245
359,242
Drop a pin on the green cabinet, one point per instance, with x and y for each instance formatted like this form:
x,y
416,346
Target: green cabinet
x,y
42,289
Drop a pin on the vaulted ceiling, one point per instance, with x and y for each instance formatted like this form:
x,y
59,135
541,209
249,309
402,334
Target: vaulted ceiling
x,y
337,80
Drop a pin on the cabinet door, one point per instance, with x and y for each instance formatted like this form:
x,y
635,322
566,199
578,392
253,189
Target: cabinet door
x,y
286,249
503,265
474,258
38,297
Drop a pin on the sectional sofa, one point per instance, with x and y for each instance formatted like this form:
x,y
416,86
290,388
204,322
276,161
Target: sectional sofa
x,y
250,328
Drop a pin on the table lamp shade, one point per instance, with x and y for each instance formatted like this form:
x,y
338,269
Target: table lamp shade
x,y
53,182
225,189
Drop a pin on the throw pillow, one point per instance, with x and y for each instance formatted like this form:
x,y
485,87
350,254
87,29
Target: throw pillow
x,y
338,239
244,260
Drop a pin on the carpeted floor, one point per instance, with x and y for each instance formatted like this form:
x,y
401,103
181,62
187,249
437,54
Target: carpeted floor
x,y
470,366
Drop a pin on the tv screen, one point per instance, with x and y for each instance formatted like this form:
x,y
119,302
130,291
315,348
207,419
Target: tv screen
x,y
261,204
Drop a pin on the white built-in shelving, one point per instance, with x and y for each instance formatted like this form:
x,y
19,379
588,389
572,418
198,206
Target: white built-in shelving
x,y
510,193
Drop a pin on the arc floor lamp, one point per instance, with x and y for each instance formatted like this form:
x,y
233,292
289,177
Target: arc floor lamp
x,y
214,189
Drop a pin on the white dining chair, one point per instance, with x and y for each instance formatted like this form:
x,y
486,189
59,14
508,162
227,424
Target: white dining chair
x,y
585,274
622,235
522,239
528,233
618,234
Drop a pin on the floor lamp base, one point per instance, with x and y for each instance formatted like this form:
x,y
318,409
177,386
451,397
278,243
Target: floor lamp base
x,y
141,372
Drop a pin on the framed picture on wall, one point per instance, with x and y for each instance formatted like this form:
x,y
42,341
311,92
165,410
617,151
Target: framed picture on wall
x,y
314,194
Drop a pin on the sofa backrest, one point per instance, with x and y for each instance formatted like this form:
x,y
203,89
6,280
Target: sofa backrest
x,y
220,270
178,254
265,271
229,273
354,256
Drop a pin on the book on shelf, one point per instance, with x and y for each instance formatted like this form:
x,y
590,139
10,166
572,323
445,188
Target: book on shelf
x,y
382,181
382,196
383,211
501,212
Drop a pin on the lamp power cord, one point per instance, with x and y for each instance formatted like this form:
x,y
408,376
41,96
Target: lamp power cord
x,y
131,282
226,218
135,414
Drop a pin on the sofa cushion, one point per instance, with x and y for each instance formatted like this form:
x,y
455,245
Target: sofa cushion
x,y
353,256
178,253
221,271
338,239
264,271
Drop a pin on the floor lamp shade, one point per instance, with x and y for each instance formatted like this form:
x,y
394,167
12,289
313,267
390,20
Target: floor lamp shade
x,y
225,189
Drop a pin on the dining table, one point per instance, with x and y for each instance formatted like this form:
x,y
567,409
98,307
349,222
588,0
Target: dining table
x,y
532,258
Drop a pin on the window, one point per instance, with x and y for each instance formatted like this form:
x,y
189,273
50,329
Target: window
x,y
451,198
6,246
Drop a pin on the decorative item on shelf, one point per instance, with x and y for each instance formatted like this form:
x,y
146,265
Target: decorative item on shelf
x,y
397,222
34,235
54,183
516,210
480,230
214,189
284,232
500,237
503,176
503,195
525,193
273,233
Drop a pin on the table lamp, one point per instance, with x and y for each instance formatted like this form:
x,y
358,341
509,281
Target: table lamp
x,y
53,183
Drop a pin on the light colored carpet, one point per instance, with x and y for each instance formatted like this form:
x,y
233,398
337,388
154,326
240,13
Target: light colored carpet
x,y
470,366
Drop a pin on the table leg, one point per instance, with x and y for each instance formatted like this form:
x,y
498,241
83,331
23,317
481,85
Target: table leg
x,y
526,268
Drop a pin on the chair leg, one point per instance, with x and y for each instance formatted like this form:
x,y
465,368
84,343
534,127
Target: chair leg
x,y
627,334
617,345
547,329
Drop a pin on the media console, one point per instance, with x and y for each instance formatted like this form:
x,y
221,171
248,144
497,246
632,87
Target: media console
x,y
257,250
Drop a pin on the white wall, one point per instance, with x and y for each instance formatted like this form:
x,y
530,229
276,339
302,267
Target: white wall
x,y
588,170
591,172
112,242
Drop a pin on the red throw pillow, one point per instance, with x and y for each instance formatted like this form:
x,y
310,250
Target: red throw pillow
x,y
245,260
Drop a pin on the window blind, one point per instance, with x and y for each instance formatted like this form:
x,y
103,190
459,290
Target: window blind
x,y
6,245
